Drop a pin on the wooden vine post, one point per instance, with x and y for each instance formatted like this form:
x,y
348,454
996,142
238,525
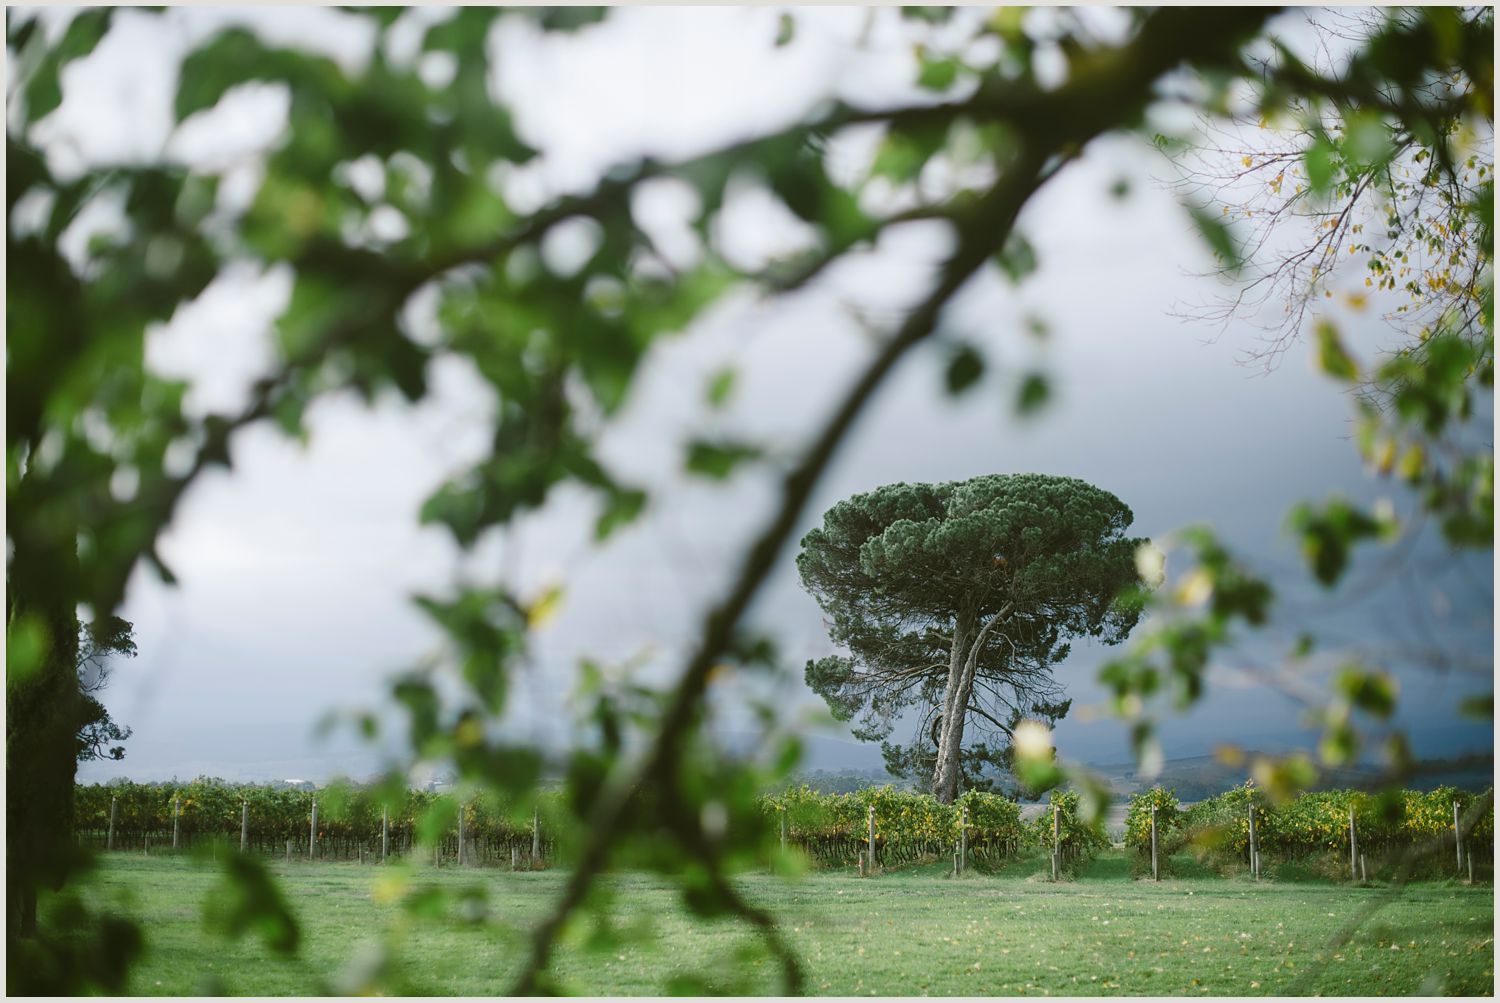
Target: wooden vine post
x,y
1056,843
312,833
1458,843
114,804
1353,848
536,835
783,828
461,855
1155,874
1257,847
385,833
244,826
1254,849
963,840
176,821
870,847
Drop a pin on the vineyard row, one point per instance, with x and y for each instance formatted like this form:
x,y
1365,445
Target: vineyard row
x,y
346,822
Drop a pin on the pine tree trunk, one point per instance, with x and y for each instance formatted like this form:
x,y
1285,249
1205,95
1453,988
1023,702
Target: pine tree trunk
x,y
950,744
945,770
963,666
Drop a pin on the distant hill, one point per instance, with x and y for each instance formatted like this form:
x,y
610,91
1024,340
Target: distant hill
x,y
841,781
1199,777
839,766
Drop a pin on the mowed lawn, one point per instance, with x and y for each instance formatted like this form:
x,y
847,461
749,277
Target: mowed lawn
x,y
909,933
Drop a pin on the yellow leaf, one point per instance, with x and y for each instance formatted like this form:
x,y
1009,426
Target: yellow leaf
x,y
1196,589
1412,462
545,607
388,890
1230,755
1385,455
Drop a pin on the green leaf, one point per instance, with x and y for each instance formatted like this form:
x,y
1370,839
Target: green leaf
x,y
568,19
1367,142
720,386
623,507
1481,707
786,30
1286,777
1017,258
514,771
26,647
487,626
938,74
717,460
1329,533
248,901
788,755
965,368
428,902
1339,745
701,895
1371,692
382,16
1482,207
1219,238
464,32
236,56
1321,161
84,32
905,151
422,707
1332,358
459,505
437,820
1033,394
930,15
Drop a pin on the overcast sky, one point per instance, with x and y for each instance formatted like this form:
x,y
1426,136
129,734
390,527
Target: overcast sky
x,y
296,569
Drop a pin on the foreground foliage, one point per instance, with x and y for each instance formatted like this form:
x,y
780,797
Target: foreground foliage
x,y
102,448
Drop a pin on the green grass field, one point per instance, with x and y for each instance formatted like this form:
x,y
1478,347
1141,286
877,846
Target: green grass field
x,y
909,933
